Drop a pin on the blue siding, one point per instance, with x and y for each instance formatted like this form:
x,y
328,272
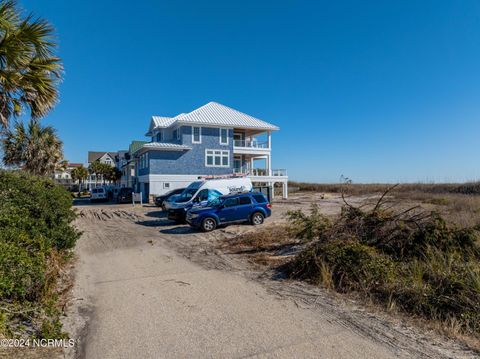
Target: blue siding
x,y
191,161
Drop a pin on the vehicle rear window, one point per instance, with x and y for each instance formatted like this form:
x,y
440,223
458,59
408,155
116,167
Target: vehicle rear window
x,y
94,190
245,200
259,198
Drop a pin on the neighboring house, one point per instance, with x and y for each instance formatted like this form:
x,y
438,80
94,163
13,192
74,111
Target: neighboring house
x,y
110,158
65,177
213,140
127,164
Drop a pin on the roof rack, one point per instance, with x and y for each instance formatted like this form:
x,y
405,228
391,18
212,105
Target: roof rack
x,y
235,193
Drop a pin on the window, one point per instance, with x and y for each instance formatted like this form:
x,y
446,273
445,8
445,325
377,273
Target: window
x,y
224,136
159,137
196,135
108,161
259,198
176,133
245,200
217,158
166,185
230,202
202,195
146,160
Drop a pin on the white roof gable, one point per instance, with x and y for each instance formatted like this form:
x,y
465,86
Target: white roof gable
x,y
215,114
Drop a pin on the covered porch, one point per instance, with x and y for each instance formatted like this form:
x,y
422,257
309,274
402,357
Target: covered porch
x,y
258,168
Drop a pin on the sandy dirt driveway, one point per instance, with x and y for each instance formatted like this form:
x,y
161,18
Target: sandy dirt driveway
x,y
147,288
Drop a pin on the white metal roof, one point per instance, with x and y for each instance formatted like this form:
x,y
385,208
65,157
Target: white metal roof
x,y
163,146
160,121
215,114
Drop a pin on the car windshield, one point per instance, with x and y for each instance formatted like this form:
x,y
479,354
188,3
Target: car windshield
x,y
188,193
172,192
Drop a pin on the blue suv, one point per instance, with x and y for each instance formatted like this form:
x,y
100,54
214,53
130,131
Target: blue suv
x,y
250,207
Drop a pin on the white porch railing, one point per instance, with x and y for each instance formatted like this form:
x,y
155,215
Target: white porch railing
x,y
279,172
260,172
250,144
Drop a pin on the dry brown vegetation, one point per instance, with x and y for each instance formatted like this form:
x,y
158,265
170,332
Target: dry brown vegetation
x,y
471,188
264,245
414,249
458,203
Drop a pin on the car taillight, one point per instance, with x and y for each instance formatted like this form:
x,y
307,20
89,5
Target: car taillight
x,y
269,205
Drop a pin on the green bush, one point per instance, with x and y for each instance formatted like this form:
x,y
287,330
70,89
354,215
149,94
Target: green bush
x,y
308,226
38,206
412,260
36,232
21,273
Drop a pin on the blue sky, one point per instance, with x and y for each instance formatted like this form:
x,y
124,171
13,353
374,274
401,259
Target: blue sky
x,y
379,91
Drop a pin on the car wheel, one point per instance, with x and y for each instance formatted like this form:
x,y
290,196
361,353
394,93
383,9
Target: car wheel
x,y
209,224
257,218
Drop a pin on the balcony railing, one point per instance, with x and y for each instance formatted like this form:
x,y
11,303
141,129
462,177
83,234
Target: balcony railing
x,y
250,144
259,172
279,172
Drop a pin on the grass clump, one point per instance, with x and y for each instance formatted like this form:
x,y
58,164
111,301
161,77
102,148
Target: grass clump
x,y
36,236
407,259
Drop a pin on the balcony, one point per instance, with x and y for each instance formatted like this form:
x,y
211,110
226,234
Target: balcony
x,y
250,144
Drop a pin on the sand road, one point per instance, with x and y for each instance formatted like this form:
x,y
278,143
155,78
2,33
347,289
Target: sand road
x,y
146,288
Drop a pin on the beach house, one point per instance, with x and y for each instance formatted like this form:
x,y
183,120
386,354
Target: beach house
x,y
213,140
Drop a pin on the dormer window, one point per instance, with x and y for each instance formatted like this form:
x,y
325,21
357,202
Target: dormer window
x,y
159,137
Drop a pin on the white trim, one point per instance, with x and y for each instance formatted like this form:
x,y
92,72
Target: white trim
x,y
214,155
220,137
251,151
170,178
193,134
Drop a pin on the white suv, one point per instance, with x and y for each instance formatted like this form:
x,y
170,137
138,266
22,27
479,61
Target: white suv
x,y
99,194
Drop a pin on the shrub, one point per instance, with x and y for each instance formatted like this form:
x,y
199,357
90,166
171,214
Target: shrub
x,y
352,266
308,226
36,232
413,260
38,206
21,273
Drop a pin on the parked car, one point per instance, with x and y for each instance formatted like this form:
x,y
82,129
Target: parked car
x,y
98,194
164,197
199,193
250,207
125,195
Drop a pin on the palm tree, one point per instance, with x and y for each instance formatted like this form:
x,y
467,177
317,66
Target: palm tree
x,y
112,174
79,174
29,71
35,149
96,168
